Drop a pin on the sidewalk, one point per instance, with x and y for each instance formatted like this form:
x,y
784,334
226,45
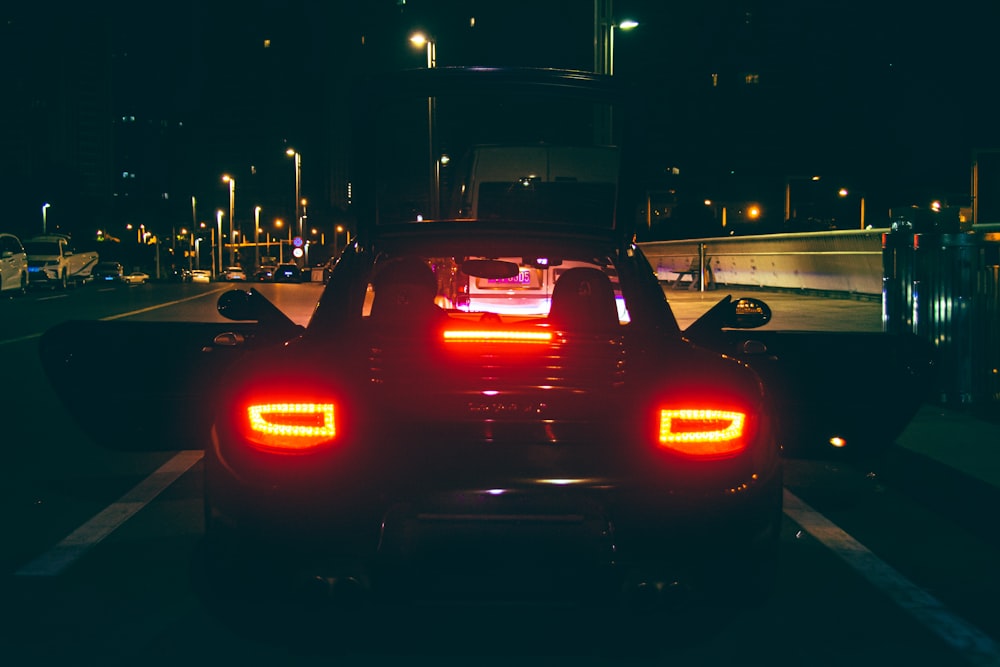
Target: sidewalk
x,y
963,438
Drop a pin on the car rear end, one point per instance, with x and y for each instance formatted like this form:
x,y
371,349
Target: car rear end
x,y
475,452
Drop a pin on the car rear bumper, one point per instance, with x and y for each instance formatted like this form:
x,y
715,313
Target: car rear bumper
x,y
583,544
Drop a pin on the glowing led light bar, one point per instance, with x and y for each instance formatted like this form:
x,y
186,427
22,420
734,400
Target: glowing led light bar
x,y
702,433
497,336
291,426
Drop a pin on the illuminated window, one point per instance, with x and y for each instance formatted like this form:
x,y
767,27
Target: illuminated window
x,y
267,43
752,79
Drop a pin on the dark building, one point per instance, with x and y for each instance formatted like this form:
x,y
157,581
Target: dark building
x,y
55,122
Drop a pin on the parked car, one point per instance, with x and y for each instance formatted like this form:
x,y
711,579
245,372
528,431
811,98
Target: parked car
x,y
136,278
287,273
13,265
495,399
54,261
234,274
264,274
109,272
201,276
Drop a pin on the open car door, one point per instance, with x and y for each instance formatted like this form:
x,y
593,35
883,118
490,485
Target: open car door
x,y
838,393
178,368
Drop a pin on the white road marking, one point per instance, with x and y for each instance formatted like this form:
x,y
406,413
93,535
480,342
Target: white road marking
x,y
120,315
972,643
160,305
80,541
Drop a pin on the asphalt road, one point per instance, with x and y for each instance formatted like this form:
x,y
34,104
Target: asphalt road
x,y
890,562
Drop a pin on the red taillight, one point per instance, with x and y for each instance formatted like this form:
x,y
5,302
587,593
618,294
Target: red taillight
x,y
703,433
497,336
290,427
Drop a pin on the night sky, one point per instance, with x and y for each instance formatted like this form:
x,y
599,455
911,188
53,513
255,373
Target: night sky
x,y
889,97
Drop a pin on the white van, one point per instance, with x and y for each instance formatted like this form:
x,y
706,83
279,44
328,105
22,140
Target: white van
x,y
13,265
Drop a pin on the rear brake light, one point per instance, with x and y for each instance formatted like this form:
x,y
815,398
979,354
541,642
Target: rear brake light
x,y
290,427
497,335
703,433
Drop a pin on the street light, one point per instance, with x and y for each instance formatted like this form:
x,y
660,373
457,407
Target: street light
x,y
604,36
232,210
218,223
291,152
256,236
788,192
843,192
278,224
45,217
419,40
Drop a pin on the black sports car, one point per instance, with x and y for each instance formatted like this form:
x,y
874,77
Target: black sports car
x,y
493,396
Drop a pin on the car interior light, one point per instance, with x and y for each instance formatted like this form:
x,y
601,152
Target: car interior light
x,y
291,426
702,433
500,336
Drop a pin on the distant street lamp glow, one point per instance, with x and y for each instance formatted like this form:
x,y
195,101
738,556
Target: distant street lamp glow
x,y
843,192
420,40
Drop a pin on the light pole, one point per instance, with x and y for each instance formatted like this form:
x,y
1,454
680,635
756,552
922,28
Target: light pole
x,y
256,236
45,217
604,36
788,192
291,152
279,223
420,40
218,223
226,178
843,192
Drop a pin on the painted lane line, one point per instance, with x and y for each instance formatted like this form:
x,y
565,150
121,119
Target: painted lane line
x,y
80,541
161,305
118,317
972,643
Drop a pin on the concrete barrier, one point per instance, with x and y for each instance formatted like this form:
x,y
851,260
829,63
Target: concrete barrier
x,y
845,261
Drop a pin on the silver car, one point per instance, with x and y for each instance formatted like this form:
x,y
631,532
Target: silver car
x,y
13,265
